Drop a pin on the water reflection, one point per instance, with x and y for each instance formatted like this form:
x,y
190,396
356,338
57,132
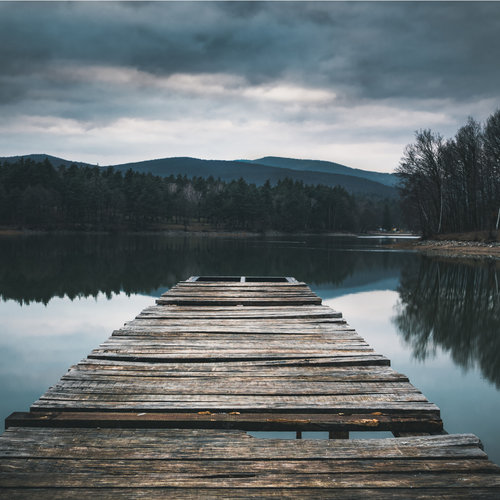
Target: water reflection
x,y
38,267
453,306
441,304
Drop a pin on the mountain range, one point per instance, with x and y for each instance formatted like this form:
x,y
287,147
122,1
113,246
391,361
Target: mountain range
x,y
257,171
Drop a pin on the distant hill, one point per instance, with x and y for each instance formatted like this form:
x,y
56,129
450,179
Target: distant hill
x,y
253,171
325,166
41,157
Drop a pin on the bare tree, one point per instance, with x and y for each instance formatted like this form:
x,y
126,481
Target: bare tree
x,y
491,138
422,174
453,186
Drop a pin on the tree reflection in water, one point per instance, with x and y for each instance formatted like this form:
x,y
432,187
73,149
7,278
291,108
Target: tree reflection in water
x,y
454,306
39,267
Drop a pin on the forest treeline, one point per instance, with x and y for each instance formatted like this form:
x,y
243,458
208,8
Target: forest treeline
x,y
451,186
39,195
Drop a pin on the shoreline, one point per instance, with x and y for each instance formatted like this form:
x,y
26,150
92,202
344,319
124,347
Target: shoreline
x,y
171,232
452,248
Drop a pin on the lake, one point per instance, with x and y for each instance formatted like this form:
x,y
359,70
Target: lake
x,y
437,320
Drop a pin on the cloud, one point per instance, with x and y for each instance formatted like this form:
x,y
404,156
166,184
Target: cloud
x,y
369,49
202,84
354,72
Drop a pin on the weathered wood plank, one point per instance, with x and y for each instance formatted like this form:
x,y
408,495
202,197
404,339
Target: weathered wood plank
x,y
196,351
248,312
233,420
228,342
450,492
269,323
332,357
160,408
254,404
372,360
210,467
224,387
158,371
155,479
271,301
254,328
222,444
242,291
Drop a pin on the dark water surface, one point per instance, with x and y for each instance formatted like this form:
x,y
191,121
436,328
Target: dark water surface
x,y
437,320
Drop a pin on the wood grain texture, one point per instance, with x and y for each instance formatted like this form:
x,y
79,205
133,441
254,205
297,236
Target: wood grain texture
x,y
142,463
161,409
266,360
341,422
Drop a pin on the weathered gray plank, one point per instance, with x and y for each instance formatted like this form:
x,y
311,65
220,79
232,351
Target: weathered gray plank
x,y
221,444
231,420
250,312
372,360
160,407
148,371
274,404
257,301
446,492
298,480
203,468
230,386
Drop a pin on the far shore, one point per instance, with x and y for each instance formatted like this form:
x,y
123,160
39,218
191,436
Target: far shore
x,y
465,245
173,232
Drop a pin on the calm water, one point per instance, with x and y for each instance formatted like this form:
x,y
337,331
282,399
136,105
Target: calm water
x,y
437,320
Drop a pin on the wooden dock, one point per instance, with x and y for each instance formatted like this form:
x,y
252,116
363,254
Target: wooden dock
x,y
162,407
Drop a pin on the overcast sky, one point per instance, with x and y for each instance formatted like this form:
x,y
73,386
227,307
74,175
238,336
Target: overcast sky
x,y
343,81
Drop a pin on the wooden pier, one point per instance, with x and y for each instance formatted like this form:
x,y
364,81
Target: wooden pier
x,y
162,407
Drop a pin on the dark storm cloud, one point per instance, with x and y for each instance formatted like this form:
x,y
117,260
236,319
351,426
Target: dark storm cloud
x,y
431,50
373,50
345,81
